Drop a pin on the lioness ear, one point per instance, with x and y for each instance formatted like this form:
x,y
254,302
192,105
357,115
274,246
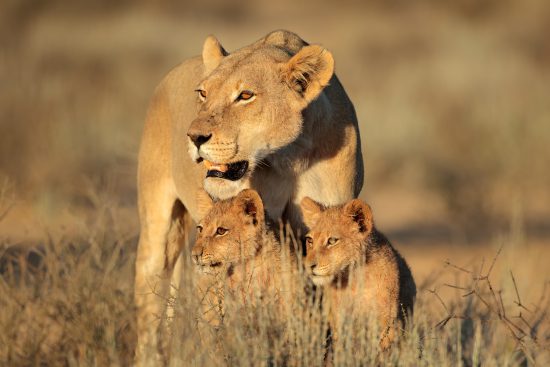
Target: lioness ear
x,y
361,213
204,203
212,53
251,205
309,71
311,211
284,39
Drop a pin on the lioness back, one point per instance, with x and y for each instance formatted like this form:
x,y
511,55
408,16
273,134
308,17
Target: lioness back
x,y
357,266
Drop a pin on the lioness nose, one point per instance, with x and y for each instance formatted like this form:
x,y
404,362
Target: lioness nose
x,y
199,139
312,266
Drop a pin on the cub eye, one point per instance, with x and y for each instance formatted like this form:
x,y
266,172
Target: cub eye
x,y
332,241
202,93
199,229
309,240
245,95
221,231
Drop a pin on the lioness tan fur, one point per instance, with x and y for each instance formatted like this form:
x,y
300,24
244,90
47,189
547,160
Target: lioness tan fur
x,y
362,274
273,109
237,248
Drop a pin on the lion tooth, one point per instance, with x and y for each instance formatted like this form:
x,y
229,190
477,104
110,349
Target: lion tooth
x,y
215,166
207,164
221,167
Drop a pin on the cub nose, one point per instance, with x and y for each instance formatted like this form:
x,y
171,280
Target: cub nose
x,y
196,254
198,139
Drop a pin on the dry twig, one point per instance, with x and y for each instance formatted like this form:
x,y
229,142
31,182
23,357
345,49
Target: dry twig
x,y
524,333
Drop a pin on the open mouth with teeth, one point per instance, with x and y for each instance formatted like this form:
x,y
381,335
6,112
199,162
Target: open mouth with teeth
x,y
232,171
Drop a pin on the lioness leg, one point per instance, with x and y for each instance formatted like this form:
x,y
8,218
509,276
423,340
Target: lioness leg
x,y
160,245
172,271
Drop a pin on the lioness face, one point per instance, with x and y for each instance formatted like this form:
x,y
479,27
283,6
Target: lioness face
x,y
250,105
337,238
229,231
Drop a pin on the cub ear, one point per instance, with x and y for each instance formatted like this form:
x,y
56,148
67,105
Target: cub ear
x,y
311,210
204,203
251,204
309,71
212,53
361,213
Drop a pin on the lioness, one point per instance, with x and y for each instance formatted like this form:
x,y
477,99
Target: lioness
x,y
357,266
270,116
237,247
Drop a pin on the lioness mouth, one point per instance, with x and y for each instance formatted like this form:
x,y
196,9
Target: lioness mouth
x,y
232,171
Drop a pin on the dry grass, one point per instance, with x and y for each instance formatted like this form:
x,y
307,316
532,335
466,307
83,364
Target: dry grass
x,y
69,302
452,98
479,324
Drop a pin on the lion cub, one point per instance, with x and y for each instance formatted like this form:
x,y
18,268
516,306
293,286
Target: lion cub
x,y
235,244
361,273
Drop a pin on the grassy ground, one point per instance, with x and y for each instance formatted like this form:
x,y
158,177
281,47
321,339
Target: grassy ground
x,y
68,301
452,99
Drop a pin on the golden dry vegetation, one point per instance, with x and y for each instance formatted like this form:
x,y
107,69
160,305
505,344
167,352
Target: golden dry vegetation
x,y
453,101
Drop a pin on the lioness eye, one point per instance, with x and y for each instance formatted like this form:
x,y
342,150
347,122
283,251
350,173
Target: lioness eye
x,y
221,231
245,95
332,241
201,92
309,241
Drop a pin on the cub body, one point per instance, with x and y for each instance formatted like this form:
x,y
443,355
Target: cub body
x,y
361,273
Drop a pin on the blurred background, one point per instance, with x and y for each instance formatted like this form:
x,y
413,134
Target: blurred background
x,y
453,99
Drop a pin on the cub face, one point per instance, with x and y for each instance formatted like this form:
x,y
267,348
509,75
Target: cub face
x,y
229,231
336,239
